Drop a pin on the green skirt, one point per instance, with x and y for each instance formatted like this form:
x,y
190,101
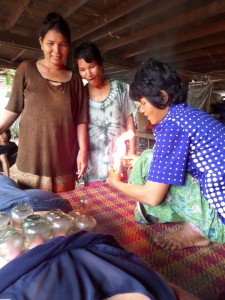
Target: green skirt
x,y
181,204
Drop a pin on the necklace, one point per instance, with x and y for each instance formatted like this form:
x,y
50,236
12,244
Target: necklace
x,y
54,81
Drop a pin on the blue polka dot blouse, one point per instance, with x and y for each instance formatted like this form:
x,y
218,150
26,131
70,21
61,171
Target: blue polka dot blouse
x,y
190,140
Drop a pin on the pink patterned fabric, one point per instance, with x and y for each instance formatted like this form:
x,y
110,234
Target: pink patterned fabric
x,y
199,270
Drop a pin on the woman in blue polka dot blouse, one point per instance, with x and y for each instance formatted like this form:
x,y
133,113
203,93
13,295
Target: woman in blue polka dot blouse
x,y
183,179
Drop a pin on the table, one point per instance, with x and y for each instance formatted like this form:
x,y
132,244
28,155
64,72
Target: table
x,y
199,270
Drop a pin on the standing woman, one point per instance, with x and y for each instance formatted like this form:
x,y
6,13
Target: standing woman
x,y
110,108
54,112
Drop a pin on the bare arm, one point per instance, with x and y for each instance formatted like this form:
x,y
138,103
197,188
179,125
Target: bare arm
x,y
7,118
150,193
5,164
82,137
130,126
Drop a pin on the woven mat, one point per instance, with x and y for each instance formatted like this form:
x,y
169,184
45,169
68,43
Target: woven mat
x,y
199,270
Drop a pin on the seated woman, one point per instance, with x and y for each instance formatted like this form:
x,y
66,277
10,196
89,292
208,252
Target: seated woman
x,y
5,164
6,148
184,179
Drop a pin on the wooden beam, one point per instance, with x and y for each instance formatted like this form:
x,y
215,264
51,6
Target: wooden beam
x,y
118,62
175,22
120,10
8,64
137,16
204,69
19,41
116,71
72,7
17,11
201,63
211,51
202,43
19,55
170,39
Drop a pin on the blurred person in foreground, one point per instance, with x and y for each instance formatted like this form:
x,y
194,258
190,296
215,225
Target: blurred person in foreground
x,y
84,266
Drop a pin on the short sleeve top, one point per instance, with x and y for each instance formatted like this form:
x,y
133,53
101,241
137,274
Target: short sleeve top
x,y
190,140
49,116
107,122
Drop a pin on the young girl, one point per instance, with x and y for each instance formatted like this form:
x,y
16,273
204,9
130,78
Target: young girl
x,y
110,108
4,140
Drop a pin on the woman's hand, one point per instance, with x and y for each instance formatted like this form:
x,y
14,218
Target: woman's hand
x,y
82,137
113,178
129,160
81,164
7,118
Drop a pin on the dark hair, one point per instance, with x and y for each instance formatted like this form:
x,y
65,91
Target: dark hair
x,y
89,52
151,78
7,132
57,22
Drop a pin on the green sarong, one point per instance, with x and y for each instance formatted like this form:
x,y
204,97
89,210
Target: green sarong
x,y
182,203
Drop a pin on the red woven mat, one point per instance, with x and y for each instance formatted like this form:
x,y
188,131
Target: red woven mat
x,y
199,270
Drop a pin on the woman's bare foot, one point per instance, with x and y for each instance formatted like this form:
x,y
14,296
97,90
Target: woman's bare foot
x,y
185,237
